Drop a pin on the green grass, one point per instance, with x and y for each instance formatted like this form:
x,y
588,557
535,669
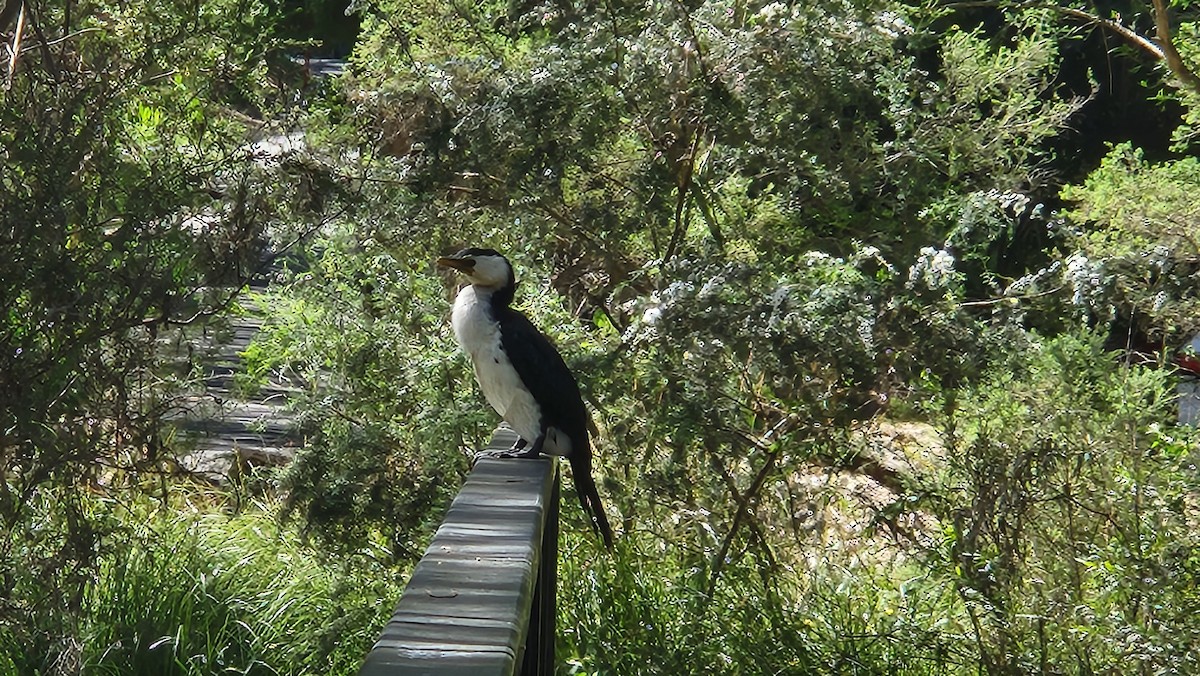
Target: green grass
x,y
645,610
197,592
205,593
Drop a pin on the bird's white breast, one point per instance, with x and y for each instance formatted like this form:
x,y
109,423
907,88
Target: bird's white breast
x,y
479,335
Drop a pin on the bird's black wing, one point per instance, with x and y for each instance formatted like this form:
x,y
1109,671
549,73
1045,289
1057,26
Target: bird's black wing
x,y
544,372
552,385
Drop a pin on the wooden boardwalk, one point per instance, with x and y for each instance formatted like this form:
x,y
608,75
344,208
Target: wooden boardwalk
x,y
221,433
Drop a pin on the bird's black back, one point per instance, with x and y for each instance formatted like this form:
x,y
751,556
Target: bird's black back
x,y
544,373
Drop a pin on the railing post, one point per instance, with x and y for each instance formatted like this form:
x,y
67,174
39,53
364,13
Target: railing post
x,y
539,644
481,602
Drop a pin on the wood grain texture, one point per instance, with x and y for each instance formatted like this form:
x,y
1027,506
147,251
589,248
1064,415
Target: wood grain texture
x,y
466,609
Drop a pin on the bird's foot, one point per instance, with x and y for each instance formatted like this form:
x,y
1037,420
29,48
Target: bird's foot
x,y
517,450
527,453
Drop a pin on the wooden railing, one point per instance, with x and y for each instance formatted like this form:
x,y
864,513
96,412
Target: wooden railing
x,y
482,599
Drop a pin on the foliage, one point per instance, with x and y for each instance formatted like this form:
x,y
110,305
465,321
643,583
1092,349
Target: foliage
x,y
835,619
129,207
634,130
759,225
758,231
1139,222
189,592
1063,505
991,124
525,126
378,402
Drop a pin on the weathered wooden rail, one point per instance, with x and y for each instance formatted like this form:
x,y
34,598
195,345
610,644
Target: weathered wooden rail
x,y
482,599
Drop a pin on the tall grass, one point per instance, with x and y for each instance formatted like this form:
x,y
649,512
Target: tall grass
x,y
205,593
646,610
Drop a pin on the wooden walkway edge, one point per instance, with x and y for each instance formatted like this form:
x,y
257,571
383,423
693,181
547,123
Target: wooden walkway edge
x,y
482,599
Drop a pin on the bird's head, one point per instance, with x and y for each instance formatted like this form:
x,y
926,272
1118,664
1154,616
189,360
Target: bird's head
x,y
484,268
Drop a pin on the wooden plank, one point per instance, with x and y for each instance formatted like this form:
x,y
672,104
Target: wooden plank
x,y
466,609
539,657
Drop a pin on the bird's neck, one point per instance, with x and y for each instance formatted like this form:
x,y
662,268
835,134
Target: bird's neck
x,y
496,298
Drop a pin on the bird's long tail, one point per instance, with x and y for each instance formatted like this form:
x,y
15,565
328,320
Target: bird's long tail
x,y
589,497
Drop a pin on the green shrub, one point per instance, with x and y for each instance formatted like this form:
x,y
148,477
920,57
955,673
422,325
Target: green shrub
x,y
1064,503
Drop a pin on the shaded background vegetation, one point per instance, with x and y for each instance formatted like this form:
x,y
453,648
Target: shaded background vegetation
x,y
875,304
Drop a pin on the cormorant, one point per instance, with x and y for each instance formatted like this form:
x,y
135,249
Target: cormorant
x,y
521,373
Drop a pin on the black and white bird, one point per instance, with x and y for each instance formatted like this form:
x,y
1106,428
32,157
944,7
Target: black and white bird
x,y
521,373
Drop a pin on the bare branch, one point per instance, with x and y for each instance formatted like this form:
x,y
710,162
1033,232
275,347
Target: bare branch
x,y
15,50
58,41
1163,50
741,514
765,443
1162,24
1119,29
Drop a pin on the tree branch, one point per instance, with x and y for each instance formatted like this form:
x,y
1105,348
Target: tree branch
x,y
742,513
15,50
683,189
1162,24
1122,31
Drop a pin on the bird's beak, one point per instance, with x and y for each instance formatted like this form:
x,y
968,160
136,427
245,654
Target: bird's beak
x,y
463,265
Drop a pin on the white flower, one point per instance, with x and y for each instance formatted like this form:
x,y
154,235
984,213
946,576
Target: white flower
x,y
1087,280
814,258
892,25
711,288
934,269
773,11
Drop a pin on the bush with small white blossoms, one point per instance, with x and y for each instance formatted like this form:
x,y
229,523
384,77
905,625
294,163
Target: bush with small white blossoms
x,y
1090,286
934,271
